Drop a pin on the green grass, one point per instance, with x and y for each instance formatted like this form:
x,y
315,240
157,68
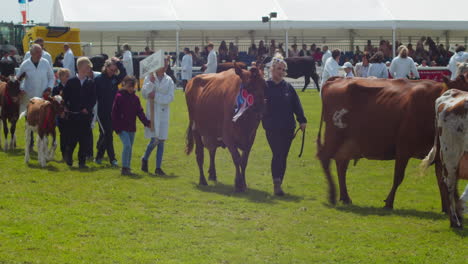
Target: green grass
x,y
62,215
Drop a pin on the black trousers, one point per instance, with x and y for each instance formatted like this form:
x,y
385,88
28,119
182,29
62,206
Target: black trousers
x,y
280,142
77,132
106,140
63,136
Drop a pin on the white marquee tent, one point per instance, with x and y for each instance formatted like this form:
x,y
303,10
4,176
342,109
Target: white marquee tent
x,y
187,15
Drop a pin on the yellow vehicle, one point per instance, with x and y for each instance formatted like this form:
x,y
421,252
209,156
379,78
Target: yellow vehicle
x,y
54,38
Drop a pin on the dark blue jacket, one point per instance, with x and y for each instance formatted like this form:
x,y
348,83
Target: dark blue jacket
x,y
106,89
282,103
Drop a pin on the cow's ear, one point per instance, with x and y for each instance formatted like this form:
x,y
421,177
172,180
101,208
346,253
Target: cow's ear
x,y
254,73
3,78
238,70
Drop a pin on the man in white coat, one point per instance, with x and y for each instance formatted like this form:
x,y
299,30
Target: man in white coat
x,y
186,65
331,67
212,61
39,75
326,54
46,55
402,66
127,59
69,59
158,89
459,56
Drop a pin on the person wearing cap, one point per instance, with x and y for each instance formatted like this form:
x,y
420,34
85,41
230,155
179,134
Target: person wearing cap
x,y
331,67
69,59
45,54
348,69
281,106
186,65
459,56
402,66
127,59
212,61
158,89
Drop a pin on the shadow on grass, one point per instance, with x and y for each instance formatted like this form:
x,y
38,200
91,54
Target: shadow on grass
x,y
380,211
89,169
251,194
19,152
460,232
135,176
170,176
48,167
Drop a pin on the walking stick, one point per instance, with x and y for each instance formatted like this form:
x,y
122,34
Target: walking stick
x,y
303,139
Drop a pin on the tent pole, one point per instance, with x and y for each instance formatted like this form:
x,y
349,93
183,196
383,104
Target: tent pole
x,y
100,40
394,41
177,52
286,49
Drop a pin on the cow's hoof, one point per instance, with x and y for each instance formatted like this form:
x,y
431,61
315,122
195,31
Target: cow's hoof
x,y
212,178
346,201
203,183
240,189
388,207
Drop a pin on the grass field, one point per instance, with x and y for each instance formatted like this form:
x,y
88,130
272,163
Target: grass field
x,y
62,215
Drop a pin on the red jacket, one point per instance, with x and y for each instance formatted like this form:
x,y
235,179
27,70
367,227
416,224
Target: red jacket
x,y
125,109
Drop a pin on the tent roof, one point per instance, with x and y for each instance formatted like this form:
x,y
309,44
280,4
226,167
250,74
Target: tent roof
x,y
143,15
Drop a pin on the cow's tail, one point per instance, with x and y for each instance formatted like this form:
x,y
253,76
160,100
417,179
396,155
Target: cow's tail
x,y
189,140
23,114
319,136
430,158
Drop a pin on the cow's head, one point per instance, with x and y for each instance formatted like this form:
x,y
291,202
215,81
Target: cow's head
x,y
58,105
13,91
460,83
254,83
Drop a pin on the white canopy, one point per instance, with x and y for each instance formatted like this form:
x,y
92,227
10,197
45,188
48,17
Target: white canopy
x,y
143,15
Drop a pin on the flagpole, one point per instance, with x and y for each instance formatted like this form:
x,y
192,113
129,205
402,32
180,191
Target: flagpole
x,y
27,11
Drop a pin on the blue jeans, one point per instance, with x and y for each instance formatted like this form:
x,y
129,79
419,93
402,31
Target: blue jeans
x,y
127,142
159,154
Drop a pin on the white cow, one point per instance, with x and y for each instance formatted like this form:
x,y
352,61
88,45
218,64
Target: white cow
x,y
451,148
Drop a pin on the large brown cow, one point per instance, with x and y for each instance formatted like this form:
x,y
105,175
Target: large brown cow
x,y
10,94
377,119
226,66
225,110
40,118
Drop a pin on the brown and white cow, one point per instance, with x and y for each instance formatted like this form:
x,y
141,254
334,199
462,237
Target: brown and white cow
x,y
41,116
378,119
10,98
224,111
451,147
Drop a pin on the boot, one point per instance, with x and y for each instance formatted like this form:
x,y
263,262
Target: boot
x,y
126,172
144,165
277,188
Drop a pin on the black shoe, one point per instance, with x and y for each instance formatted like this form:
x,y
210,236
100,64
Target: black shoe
x,y
83,166
160,172
144,165
278,190
126,172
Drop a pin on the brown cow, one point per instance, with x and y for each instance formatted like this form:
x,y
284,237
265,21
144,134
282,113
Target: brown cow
x,y
224,111
10,94
41,115
377,119
226,66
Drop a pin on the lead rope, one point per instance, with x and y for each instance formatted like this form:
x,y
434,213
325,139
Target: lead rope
x,y
303,139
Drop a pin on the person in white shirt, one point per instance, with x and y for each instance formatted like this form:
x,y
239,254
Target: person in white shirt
x,y
348,69
45,54
127,59
158,89
294,52
459,56
212,62
402,66
39,75
377,67
186,66
69,59
362,68
331,67
326,54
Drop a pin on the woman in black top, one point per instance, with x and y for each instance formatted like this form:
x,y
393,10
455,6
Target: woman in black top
x,y
282,103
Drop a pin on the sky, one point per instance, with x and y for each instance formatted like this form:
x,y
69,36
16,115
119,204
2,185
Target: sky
x,y
39,11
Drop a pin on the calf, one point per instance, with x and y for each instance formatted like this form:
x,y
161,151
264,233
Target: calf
x,y
10,94
40,118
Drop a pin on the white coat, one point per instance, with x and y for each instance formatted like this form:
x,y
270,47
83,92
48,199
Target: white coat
x,y
45,55
186,65
402,67
212,62
163,97
330,69
325,57
460,56
378,70
69,61
128,62
37,79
